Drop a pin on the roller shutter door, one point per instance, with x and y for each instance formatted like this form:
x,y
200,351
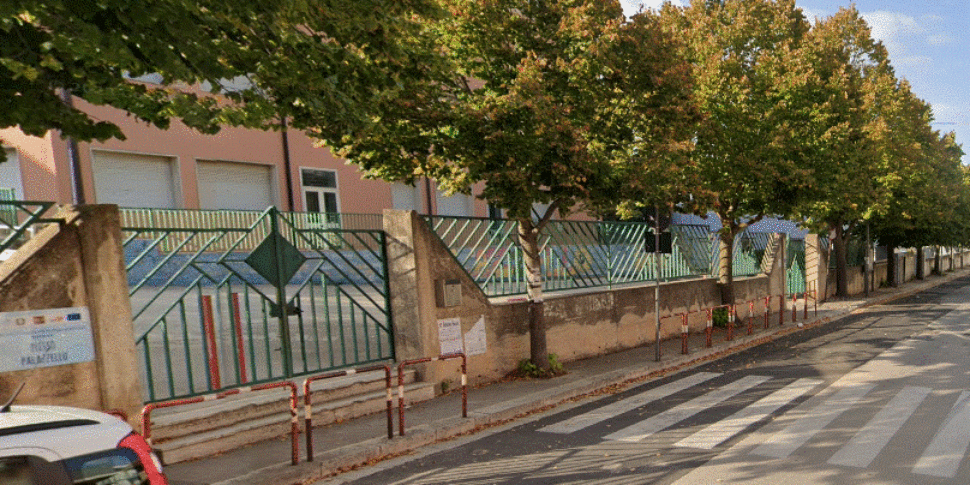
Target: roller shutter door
x,y
233,185
132,180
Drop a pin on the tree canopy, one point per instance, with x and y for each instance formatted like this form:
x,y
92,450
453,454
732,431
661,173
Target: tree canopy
x,y
562,103
280,59
749,160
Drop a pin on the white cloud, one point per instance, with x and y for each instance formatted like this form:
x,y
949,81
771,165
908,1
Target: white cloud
x,y
891,25
914,61
939,39
811,14
903,34
631,7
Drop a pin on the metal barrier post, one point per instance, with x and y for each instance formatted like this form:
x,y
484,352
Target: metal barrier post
x,y
400,384
815,299
750,317
730,324
683,334
794,307
805,312
146,421
767,310
781,309
710,326
308,404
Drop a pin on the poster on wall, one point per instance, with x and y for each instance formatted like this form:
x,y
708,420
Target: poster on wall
x,y
475,338
45,338
449,336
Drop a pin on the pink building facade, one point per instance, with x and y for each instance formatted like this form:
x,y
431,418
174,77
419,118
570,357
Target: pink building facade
x,y
179,168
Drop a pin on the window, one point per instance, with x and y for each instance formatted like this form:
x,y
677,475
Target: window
x,y
320,191
119,466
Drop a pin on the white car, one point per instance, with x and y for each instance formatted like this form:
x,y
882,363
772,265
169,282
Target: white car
x,y
53,445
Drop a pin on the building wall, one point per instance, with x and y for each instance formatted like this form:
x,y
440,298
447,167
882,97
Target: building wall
x,y
44,171
47,174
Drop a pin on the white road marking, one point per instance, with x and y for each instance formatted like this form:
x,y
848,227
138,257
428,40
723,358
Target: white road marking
x,y
581,421
873,437
719,432
943,456
786,441
677,414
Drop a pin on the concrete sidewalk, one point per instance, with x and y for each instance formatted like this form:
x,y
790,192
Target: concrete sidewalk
x,y
358,442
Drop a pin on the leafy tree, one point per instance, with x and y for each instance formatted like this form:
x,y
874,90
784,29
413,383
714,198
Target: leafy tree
x,y
750,160
555,103
915,162
291,56
841,62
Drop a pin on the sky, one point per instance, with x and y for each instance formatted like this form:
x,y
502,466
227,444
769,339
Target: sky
x,y
928,43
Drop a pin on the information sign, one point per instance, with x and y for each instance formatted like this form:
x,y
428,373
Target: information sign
x,y
45,338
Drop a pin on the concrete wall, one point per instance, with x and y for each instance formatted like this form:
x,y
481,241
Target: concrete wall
x,y
78,264
817,270
580,323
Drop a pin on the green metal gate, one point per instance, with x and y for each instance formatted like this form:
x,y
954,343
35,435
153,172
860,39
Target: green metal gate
x,y
222,299
795,273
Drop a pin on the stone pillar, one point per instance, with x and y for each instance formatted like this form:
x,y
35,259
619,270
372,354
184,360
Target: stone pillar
x,y
409,280
816,266
776,265
106,287
78,263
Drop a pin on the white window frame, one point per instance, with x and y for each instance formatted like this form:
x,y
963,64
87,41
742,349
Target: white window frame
x,y
322,190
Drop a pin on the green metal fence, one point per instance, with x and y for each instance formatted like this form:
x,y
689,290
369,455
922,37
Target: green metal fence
x,y
287,297
19,218
795,275
586,254
749,252
575,254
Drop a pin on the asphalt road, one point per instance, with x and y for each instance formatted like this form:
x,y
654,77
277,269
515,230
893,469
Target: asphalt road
x,y
881,397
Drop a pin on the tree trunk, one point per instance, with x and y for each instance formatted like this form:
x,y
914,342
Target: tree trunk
x,y
529,238
920,263
725,266
937,263
891,264
841,262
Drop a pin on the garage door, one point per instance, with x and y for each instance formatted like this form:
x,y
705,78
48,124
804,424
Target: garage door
x,y
233,185
132,180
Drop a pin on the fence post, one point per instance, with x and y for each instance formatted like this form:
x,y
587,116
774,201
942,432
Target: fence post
x,y
237,323
730,324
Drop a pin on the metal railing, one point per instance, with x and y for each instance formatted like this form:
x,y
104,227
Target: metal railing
x,y
586,254
19,218
202,219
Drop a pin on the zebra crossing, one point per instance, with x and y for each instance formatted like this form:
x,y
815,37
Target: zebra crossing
x,y
885,408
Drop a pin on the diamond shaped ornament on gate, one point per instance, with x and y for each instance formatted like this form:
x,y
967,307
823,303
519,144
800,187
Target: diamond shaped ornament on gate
x,y
263,259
